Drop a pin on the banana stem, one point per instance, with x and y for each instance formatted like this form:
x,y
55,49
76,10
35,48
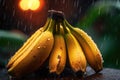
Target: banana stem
x,y
68,25
56,18
56,15
65,27
46,24
57,30
51,25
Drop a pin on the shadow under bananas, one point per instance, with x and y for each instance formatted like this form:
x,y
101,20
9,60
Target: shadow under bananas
x,y
96,76
67,74
43,74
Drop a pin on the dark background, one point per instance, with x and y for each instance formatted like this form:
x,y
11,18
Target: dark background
x,y
13,18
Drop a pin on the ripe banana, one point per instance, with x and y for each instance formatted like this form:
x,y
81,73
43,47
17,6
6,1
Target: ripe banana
x,y
27,44
58,55
89,47
35,55
76,56
55,41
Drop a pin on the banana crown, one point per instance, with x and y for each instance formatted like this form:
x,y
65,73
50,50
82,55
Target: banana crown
x,y
58,42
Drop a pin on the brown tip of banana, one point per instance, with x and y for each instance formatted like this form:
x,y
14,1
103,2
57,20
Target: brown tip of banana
x,y
8,66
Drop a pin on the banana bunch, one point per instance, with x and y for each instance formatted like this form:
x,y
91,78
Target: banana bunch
x,y
57,41
89,48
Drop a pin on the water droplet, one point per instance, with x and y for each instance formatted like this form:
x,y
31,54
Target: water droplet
x,y
48,39
74,4
31,27
39,47
13,12
99,11
25,28
31,16
63,1
77,3
101,46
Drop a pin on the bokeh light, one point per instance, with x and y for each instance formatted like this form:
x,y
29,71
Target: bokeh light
x,y
29,4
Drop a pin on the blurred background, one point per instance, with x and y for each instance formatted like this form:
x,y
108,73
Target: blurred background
x,y
99,18
28,21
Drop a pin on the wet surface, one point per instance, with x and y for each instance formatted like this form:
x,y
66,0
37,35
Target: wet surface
x,y
105,74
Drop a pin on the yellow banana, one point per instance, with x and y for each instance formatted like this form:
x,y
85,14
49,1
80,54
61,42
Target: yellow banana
x,y
91,51
35,55
76,56
27,44
58,55
44,42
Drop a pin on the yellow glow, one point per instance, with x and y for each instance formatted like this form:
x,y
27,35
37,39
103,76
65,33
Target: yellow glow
x,y
23,4
30,4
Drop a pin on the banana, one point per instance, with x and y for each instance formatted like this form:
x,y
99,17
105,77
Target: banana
x,y
55,41
76,56
35,55
58,55
27,44
91,51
